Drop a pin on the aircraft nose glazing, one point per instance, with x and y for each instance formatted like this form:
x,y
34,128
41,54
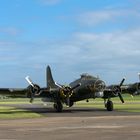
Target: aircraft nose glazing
x,y
99,85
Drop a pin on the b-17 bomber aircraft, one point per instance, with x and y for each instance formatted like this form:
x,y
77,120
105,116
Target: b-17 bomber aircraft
x,y
85,87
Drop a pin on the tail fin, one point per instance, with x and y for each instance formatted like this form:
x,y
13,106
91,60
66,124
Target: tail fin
x,y
50,81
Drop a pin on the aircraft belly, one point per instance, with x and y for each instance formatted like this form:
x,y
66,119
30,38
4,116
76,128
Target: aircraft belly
x,y
82,96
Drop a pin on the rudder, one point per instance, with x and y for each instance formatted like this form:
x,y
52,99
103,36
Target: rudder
x,y
50,81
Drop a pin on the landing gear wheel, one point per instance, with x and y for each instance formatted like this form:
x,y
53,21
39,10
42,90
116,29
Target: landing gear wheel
x,y
54,106
58,106
71,104
109,106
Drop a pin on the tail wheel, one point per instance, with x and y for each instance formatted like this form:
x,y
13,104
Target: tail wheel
x,y
109,106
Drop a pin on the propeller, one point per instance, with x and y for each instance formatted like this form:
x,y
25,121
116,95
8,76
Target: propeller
x,y
33,88
122,82
70,92
67,91
119,93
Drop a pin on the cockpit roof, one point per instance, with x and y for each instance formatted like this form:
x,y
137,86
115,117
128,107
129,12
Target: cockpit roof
x,y
87,76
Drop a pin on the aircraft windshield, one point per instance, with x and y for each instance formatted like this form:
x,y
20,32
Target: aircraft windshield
x,y
87,76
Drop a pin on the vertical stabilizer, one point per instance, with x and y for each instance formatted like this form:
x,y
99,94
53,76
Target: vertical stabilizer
x,y
50,81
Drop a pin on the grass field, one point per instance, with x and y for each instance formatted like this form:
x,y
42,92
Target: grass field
x,y
6,112
13,113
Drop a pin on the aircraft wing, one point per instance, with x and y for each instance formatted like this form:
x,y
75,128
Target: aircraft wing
x,y
27,93
133,89
14,92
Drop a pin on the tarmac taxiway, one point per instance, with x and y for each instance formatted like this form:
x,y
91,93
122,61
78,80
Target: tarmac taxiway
x,y
73,123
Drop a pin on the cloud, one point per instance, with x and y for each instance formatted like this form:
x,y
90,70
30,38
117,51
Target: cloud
x,y
50,2
5,44
10,31
88,47
113,54
110,45
93,18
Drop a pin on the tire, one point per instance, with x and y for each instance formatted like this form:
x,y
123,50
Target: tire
x,y
109,106
71,104
58,106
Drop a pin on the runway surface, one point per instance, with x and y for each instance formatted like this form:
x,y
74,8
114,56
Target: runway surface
x,y
73,123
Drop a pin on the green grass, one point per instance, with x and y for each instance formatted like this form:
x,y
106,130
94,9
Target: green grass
x,y
7,112
14,113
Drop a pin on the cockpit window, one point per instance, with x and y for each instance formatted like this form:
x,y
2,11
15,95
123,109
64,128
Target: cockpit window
x,y
86,76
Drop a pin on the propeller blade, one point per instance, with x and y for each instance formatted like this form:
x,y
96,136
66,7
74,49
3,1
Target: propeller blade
x,y
32,99
132,96
75,87
68,101
121,98
29,81
119,93
122,82
58,85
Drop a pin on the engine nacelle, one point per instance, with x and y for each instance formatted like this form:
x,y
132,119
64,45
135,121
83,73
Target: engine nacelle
x,y
136,89
33,90
138,86
116,90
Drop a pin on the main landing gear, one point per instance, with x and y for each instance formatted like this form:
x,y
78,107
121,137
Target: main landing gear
x,y
108,105
58,106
